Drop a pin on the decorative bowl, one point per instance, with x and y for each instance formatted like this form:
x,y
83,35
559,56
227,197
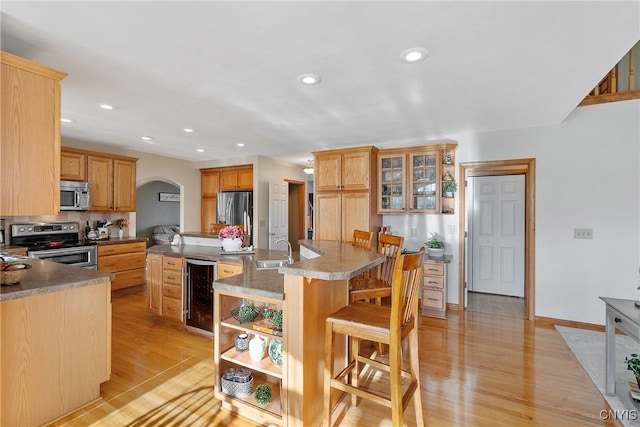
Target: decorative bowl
x,y
236,314
13,272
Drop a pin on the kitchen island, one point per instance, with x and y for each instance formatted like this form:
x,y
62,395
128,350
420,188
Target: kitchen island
x,y
55,342
306,291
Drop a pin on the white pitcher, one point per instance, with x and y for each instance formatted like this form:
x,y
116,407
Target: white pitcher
x,y
257,347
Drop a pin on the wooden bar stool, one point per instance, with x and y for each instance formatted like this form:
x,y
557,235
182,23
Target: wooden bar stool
x,y
390,325
362,239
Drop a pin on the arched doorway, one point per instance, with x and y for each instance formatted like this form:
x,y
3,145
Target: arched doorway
x,y
152,210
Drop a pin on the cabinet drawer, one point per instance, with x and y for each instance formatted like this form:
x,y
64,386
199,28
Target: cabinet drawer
x,y
121,262
171,263
172,277
433,268
172,308
434,282
433,299
228,269
129,278
121,248
172,291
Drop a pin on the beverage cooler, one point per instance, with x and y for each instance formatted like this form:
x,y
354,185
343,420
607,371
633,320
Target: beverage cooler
x,y
200,275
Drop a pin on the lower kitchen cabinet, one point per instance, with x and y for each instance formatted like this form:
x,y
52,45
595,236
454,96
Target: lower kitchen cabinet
x,y
226,269
165,285
434,289
264,371
126,261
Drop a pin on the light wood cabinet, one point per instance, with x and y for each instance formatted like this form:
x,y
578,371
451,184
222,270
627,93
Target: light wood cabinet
x,y
236,179
264,371
215,180
56,351
348,169
226,269
209,187
410,180
112,182
126,261
73,166
154,283
29,137
172,287
165,285
344,201
434,289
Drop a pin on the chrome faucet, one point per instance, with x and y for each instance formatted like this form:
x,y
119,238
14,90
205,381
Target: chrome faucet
x,y
290,257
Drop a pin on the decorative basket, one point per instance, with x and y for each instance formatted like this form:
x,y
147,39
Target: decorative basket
x,y
12,273
237,382
235,313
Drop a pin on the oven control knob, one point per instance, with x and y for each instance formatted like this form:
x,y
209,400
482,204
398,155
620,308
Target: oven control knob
x,y
21,229
29,228
72,227
64,227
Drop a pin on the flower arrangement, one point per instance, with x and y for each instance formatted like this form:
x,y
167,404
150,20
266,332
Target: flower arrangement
x,y
122,223
230,232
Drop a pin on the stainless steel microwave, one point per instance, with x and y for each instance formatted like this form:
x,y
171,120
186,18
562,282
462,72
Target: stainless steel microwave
x,y
74,196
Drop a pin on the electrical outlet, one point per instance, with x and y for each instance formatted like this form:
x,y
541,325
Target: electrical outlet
x,y
453,229
583,233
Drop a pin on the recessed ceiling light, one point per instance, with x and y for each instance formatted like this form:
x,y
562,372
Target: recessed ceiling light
x,y
240,144
146,138
188,130
106,106
66,120
309,79
415,54
200,150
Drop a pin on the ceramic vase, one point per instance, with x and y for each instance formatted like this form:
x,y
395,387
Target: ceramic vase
x,y
257,347
120,232
275,351
232,245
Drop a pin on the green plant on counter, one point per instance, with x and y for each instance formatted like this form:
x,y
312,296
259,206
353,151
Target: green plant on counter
x,y
263,394
434,242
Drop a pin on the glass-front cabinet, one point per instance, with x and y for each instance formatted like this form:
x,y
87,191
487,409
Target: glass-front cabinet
x,y
412,180
392,183
423,186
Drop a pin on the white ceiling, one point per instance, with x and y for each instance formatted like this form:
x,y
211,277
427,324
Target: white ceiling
x,y
229,69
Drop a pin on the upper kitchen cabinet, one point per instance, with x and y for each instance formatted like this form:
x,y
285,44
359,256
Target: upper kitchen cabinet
x,y
209,188
73,166
410,179
237,178
112,181
29,137
348,169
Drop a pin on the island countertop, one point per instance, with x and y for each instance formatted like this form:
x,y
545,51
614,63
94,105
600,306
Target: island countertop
x,y
47,276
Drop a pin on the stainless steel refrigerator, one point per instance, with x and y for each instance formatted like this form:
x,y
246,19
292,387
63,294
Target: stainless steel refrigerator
x,y
236,208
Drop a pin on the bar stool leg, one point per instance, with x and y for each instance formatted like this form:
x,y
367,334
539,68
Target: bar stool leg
x,y
415,372
355,373
395,377
328,373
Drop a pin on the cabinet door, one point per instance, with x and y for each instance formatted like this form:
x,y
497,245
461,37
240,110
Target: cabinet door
x,y
356,170
245,178
356,209
73,166
328,169
391,182
207,213
124,185
229,180
226,269
154,282
327,214
29,141
423,182
209,183
100,177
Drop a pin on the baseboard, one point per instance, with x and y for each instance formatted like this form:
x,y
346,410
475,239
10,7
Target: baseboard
x,y
550,321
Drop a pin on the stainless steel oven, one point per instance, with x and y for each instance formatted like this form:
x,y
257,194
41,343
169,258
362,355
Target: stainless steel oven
x,y
80,256
56,242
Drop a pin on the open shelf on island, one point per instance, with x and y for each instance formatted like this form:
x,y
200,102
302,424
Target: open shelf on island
x,y
264,365
274,407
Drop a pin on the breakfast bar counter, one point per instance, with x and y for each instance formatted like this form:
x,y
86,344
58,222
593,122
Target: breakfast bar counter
x,y
312,288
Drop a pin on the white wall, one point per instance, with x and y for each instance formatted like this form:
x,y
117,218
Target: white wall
x,y
587,173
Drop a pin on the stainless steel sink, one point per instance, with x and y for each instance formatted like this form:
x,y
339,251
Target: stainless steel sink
x,y
270,264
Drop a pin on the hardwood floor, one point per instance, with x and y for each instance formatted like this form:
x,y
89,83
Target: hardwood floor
x,y
483,370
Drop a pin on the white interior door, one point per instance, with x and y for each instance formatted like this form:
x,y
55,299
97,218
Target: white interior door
x,y
278,213
498,235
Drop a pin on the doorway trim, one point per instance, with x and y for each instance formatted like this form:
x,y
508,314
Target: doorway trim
x,y
527,167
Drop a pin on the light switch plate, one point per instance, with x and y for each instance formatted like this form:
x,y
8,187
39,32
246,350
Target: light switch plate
x,y
583,233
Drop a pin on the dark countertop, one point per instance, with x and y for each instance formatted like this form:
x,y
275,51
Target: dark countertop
x,y
47,276
114,240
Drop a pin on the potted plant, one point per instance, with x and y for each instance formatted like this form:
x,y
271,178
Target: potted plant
x,y
633,364
276,318
263,394
449,188
435,246
231,237
121,223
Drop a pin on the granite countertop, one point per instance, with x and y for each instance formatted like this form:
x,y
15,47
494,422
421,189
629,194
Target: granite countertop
x,y
113,240
47,276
